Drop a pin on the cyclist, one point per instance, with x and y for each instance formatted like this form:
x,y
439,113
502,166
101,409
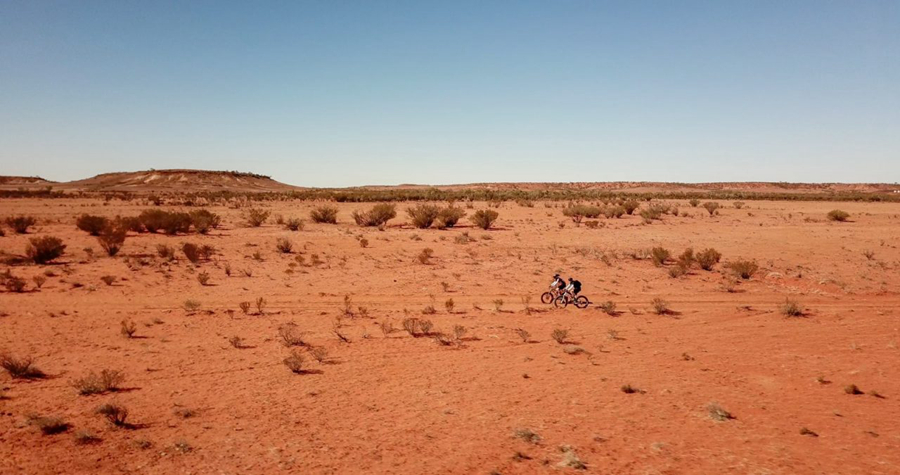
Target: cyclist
x,y
558,283
574,287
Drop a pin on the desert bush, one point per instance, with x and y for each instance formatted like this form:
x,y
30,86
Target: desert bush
x,y
191,251
291,335
44,249
204,220
84,437
608,307
577,212
613,212
284,245
21,223
295,362
838,215
659,255
293,224
423,215
425,256
165,251
654,211
378,215
660,306
116,414
39,281
694,202
712,207
523,334
743,268
324,214
678,270
412,326
112,238
260,304
108,279
203,278
128,328
449,216
176,222
93,383
791,308
708,258
484,218
630,206
13,283
629,389
256,217
48,425
716,412
687,258
560,335
245,307
152,220
852,389
20,368
738,204
91,224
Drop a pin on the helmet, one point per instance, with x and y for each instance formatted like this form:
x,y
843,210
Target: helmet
x,y
556,276
571,279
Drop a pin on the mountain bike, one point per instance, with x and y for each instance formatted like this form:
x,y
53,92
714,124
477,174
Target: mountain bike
x,y
564,299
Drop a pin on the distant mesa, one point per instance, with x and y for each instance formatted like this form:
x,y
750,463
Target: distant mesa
x,y
24,180
179,181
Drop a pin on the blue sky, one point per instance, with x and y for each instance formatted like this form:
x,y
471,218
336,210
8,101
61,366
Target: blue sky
x,y
340,93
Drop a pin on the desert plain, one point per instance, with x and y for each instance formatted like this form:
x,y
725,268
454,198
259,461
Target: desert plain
x,y
664,372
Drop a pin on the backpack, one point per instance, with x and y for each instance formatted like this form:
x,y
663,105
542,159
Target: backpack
x,y
576,285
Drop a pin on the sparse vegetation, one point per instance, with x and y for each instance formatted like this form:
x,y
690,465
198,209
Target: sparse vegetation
x,y
115,413
712,207
44,249
791,308
484,218
608,307
852,389
256,217
326,214
424,257
293,224
20,224
423,215
284,245
20,368
560,335
291,335
660,306
48,425
717,413
295,362
112,238
127,328
104,382
838,215
708,258
378,215
659,256
743,268
91,224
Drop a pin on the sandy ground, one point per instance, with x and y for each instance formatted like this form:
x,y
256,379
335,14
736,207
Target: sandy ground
x,y
397,404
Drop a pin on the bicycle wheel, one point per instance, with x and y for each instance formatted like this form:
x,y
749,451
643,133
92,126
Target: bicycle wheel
x,y
561,302
546,297
581,301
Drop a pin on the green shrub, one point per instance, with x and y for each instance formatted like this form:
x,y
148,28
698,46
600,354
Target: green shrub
x,y
423,215
44,249
484,218
378,215
838,215
324,214
91,224
21,223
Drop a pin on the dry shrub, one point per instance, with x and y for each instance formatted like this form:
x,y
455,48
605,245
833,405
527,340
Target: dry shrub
x,y
417,327
204,220
21,223
523,334
613,212
39,281
44,249
295,362
203,278
712,207
838,215
127,328
291,335
687,258
654,212
13,283
717,413
378,215
459,332
852,389
256,217
660,306
484,218
48,425
694,202
608,307
791,308
743,268
284,245
320,353
425,256
115,413
449,216
84,437
245,307
20,368
708,258
165,251
237,342
577,212
293,224
738,204
91,224
324,214
107,381
108,279
112,237
560,335
630,206
423,215
659,255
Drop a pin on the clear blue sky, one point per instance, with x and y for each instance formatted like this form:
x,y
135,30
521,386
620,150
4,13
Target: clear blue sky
x,y
337,93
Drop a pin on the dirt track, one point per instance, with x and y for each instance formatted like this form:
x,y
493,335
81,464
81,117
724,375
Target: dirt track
x,y
397,404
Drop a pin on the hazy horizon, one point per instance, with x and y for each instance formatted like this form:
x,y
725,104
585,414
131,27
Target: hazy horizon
x,y
340,94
